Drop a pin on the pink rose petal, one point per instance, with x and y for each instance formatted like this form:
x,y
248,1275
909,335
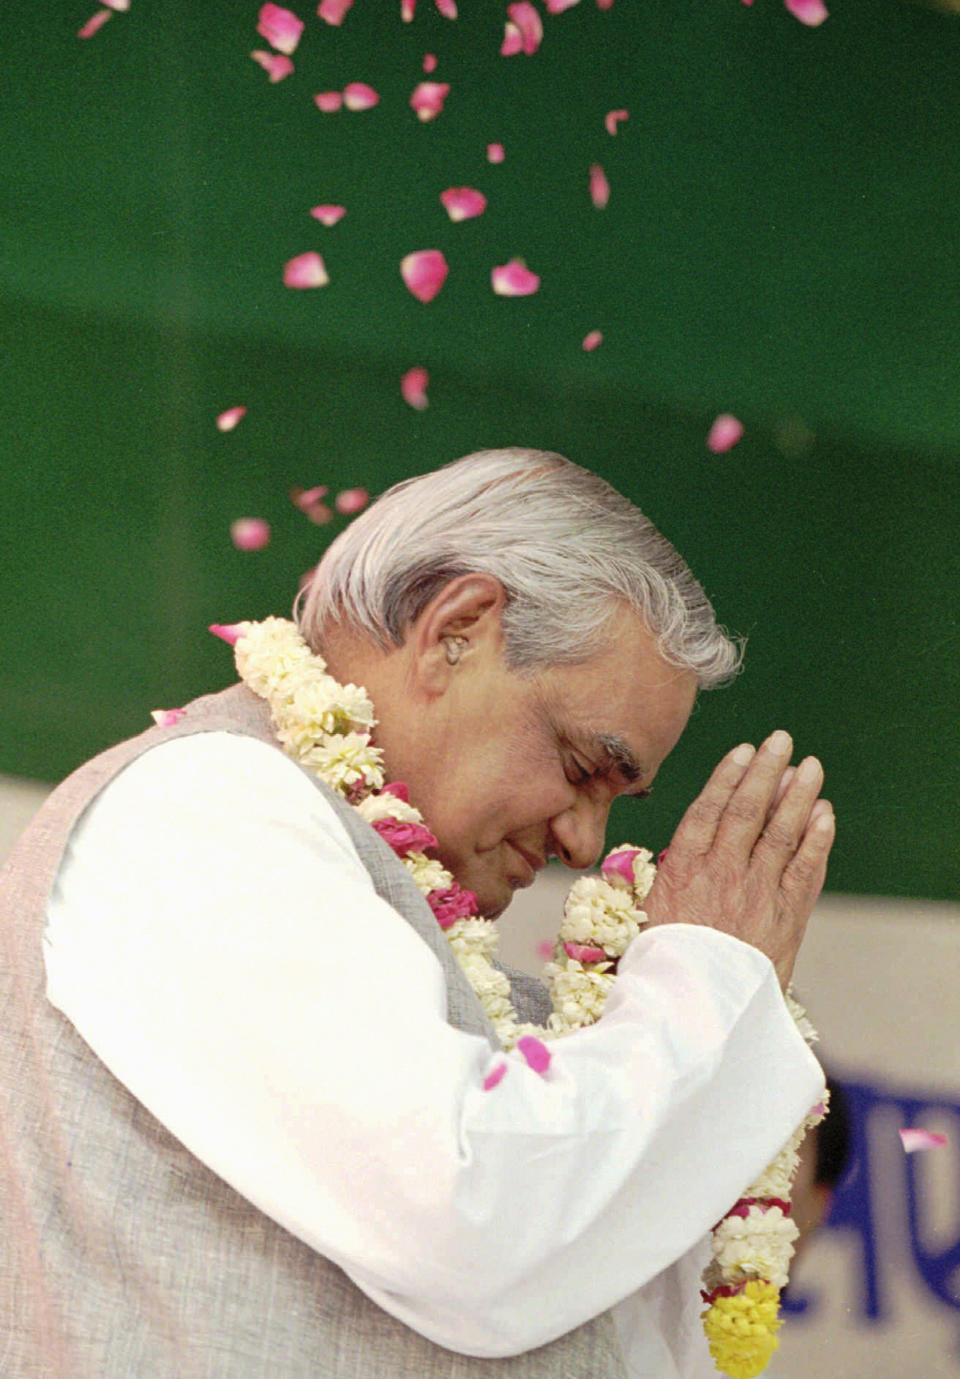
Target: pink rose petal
x,y
95,22
584,952
495,153
424,273
407,8
592,340
535,1052
428,98
274,64
404,837
429,62
463,203
724,433
599,187
351,500
810,12
447,8
398,789
527,19
328,101
229,632
305,498
604,4
165,718
620,864
227,420
514,279
495,1076
281,28
512,40
306,270
613,118
250,533
921,1139
357,95
558,6
545,949
452,904
332,11
121,6
413,388
328,215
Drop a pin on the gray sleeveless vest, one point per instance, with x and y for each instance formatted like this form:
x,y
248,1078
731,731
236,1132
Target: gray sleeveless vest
x,y
124,1257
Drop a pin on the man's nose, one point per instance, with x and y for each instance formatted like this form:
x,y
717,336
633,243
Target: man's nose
x,y
579,834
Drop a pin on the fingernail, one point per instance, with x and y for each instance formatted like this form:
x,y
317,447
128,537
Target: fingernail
x,y
779,743
824,824
743,754
809,771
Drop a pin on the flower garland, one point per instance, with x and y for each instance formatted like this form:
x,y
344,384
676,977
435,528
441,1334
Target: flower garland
x,y
327,727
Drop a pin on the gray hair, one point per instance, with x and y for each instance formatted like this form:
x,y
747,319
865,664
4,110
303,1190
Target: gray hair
x,y
568,549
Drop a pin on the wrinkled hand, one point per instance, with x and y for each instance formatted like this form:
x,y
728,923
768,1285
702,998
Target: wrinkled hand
x,y
750,855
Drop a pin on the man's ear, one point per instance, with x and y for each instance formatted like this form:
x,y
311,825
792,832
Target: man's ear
x,y
460,627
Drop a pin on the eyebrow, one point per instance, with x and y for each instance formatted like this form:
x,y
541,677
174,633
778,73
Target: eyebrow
x,y
620,755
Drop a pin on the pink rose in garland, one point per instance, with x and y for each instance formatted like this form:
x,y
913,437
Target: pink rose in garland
x,y
452,904
403,837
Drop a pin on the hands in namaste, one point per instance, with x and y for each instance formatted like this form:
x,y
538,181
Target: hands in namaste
x,y
750,854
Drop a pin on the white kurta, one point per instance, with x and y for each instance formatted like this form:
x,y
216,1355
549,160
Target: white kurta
x,y
216,940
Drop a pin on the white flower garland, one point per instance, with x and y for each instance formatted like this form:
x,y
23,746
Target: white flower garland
x,y
327,727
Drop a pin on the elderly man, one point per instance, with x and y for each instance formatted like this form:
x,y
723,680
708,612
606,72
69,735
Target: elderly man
x,y
257,1120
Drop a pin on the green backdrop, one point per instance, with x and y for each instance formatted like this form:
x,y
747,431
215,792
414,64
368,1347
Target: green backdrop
x,y
780,242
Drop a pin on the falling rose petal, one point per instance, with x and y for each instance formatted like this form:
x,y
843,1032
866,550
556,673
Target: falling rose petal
x,y
535,1052
592,340
724,433
512,41
275,64
306,270
583,952
229,632
495,153
527,19
558,6
250,533
319,513
428,98
413,388
429,62
357,95
332,11
599,187
227,420
305,498
281,28
613,118
463,203
95,22
809,12
545,949
328,215
514,279
121,6
351,500
328,101
306,579
495,1076
165,718
407,8
921,1139
447,8
604,4
424,273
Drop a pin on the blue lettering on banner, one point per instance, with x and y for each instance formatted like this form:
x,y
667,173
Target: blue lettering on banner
x,y
861,1198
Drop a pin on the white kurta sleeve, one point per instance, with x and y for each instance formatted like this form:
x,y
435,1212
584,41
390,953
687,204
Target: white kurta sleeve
x,y
216,940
